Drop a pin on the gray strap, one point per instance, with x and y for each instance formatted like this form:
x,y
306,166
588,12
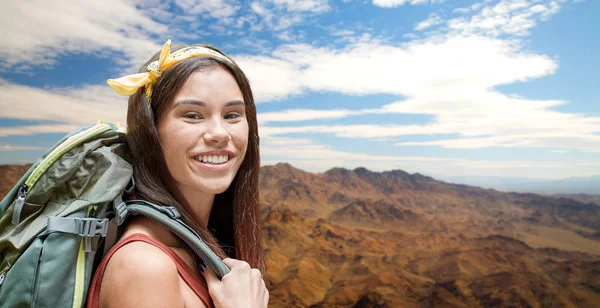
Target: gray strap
x,y
170,219
86,227
111,236
19,204
120,209
170,211
131,187
16,218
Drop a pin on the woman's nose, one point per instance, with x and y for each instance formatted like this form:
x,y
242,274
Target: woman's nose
x,y
217,132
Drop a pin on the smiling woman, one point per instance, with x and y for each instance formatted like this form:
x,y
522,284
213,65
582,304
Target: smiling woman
x,y
193,136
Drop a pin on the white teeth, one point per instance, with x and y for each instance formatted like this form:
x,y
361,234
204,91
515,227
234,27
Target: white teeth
x,y
213,159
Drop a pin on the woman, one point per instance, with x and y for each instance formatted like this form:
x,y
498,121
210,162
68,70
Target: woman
x,y
193,136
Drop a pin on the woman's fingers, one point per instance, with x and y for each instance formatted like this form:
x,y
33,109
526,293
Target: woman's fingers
x,y
265,298
243,286
237,264
211,278
256,274
230,262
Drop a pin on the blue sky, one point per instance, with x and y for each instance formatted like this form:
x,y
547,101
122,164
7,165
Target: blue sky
x,y
466,88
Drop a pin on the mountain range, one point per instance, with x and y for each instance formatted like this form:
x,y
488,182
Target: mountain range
x,y
357,238
572,185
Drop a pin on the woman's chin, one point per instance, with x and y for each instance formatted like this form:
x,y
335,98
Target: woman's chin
x,y
218,190
214,186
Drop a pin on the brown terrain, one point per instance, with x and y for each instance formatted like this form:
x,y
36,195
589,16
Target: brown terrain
x,y
585,198
356,238
9,175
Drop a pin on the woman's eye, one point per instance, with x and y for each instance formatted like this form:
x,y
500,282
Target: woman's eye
x,y
193,116
232,116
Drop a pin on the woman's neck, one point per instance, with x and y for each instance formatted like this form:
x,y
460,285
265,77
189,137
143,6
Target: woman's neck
x,y
200,204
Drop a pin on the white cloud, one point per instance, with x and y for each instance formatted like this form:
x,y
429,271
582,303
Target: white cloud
x,y
366,131
449,76
314,157
273,20
473,7
37,32
281,15
454,64
315,6
480,120
215,8
503,18
66,107
451,79
11,148
507,17
36,129
432,20
295,115
587,143
194,20
270,78
396,3
342,32
286,35
260,9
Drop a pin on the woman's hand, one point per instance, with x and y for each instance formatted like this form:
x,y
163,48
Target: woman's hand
x,y
241,287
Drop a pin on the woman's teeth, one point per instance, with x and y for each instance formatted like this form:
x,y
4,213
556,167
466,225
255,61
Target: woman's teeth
x,y
213,159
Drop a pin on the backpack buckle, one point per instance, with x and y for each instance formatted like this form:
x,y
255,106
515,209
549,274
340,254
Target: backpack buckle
x,y
91,227
172,211
87,228
120,210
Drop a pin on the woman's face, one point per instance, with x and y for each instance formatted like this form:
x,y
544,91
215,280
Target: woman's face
x,y
204,133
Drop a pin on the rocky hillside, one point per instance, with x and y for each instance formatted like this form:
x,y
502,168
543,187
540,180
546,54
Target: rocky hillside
x,y
9,175
582,197
356,238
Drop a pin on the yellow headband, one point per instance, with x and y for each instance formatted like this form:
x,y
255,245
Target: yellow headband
x,y
128,85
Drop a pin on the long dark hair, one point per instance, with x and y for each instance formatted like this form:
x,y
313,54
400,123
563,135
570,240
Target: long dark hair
x,y
235,216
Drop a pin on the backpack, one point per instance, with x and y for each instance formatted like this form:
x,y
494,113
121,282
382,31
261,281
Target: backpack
x,y
66,212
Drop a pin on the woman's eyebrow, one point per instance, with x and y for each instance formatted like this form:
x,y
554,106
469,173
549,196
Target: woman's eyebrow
x,y
189,102
233,103
203,104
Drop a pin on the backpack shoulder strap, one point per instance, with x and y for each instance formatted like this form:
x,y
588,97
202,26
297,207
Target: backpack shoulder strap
x,y
169,217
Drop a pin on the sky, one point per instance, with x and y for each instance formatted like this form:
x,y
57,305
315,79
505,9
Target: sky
x,y
440,87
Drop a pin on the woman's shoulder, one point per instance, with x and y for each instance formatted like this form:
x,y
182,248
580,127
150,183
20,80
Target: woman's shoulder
x,y
146,255
140,273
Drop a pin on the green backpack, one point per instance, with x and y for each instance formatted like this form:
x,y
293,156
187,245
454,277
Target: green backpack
x,y
65,213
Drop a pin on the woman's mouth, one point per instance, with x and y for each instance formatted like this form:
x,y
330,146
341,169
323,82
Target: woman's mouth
x,y
213,159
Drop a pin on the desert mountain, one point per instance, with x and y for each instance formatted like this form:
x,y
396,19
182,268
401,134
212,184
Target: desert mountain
x,y
356,238
572,185
9,176
585,198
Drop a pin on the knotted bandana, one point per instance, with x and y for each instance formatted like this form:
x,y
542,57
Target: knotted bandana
x,y
128,85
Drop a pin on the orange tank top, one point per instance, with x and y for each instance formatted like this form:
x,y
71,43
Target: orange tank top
x,y
93,299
